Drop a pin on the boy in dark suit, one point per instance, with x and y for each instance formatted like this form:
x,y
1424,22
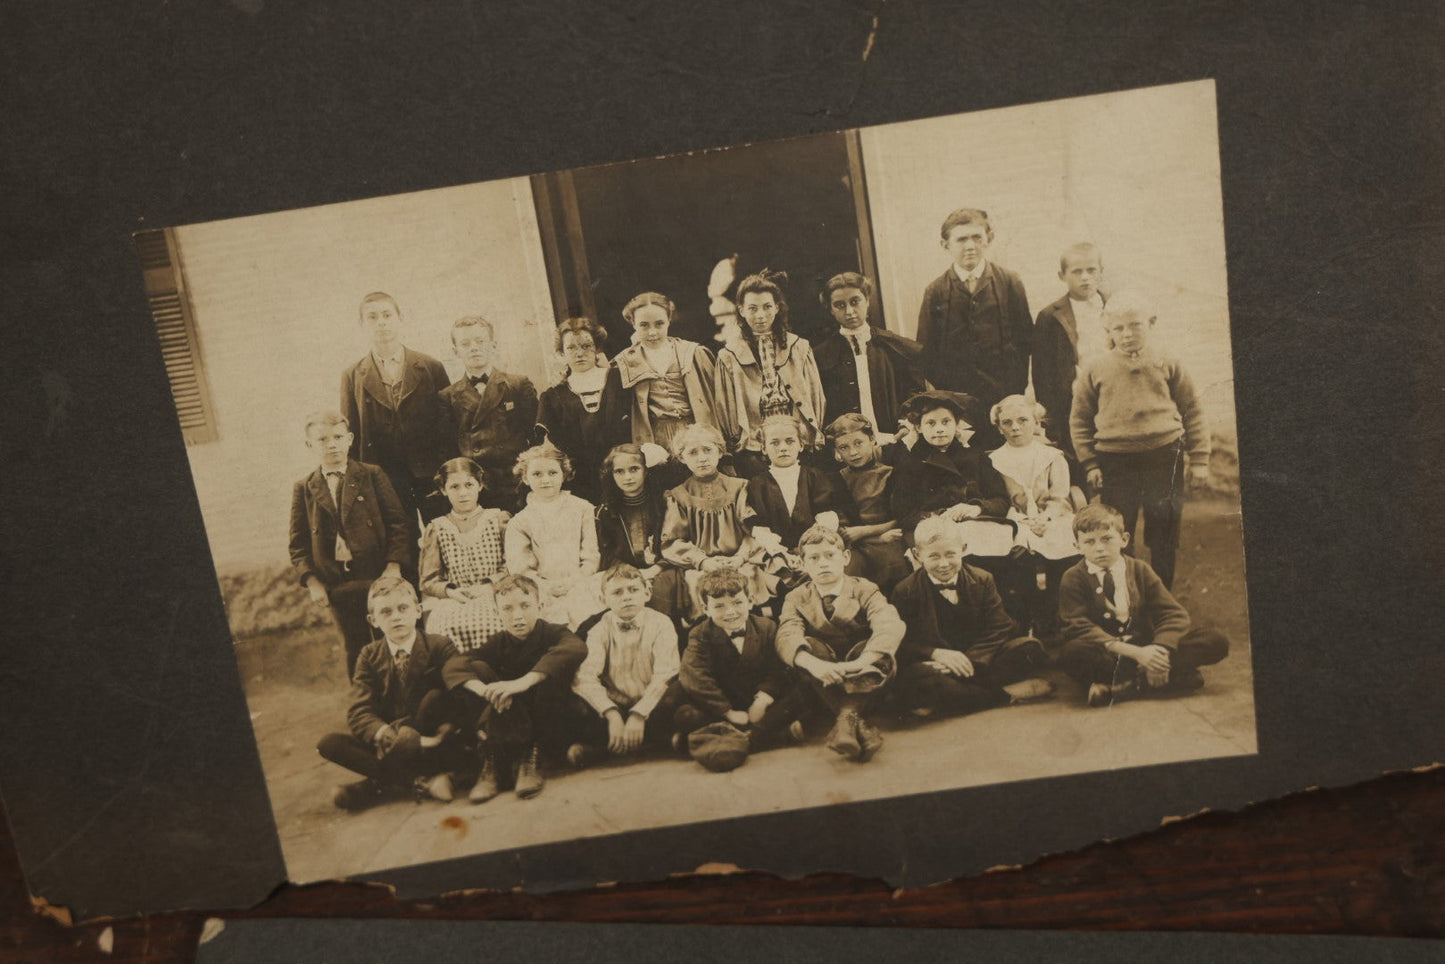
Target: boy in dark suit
x,y
961,651
347,528
398,707
867,370
391,399
1124,633
974,323
1066,333
493,413
731,671
841,635
515,689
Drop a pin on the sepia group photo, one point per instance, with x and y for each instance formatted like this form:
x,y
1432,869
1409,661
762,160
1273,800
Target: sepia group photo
x,y
859,465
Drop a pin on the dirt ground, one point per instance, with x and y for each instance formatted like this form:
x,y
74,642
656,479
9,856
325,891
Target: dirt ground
x,y
296,691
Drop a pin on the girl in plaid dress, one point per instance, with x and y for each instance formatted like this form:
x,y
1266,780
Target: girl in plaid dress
x,y
461,555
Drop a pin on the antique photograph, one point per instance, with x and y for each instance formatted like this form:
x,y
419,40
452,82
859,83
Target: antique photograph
x,y
859,465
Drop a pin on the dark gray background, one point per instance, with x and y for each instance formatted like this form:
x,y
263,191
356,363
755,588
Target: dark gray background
x,y
126,758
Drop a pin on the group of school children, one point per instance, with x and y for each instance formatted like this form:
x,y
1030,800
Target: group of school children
x,y
711,555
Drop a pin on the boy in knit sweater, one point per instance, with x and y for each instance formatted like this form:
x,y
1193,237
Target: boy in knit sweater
x,y
1136,421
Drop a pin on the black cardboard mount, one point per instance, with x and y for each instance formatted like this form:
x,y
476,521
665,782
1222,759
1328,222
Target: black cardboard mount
x,y
129,771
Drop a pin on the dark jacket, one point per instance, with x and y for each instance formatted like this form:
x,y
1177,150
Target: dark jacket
x,y
818,491
894,373
1155,616
1056,359
552,650
926,481
983,623
370,518
413,436
977,343
717,678
495,425
585,436
379,698
613,541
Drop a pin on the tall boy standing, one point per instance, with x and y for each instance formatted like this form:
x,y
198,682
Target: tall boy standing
x,y
493,413
347,528
391,399
974,323
1067,334
1136,421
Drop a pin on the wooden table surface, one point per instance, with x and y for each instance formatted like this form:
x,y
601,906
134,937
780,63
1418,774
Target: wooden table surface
x,y
1365,860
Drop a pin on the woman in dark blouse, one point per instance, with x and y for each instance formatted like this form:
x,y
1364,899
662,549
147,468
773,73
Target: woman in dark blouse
x,y
585,414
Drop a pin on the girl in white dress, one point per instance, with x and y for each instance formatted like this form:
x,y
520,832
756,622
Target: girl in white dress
x,y
554,539
1040,499
461,554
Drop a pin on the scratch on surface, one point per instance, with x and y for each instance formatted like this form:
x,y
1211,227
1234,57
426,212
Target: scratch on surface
x,y
872,33
1209,723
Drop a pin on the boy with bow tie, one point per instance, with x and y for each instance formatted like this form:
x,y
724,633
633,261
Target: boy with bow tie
x,y
348,527
627,686
1124,632
398,714
731,672
961,651
841,634
493,412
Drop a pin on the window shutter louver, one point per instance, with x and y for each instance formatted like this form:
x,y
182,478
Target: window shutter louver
x,y
176,330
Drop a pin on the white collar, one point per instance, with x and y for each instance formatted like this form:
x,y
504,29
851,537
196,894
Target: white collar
x,y
1096,302
395,357
1117,569
591,380
863,333
396,647
790,473
943,585
976,274
1021,461
325,471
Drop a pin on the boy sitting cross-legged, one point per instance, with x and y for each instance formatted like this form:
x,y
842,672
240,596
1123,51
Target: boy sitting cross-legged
x,y
398,706
627,686
731,674
841,633
961,651
1124,632
515,688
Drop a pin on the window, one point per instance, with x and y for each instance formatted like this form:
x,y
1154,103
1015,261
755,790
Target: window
x,y
176,331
